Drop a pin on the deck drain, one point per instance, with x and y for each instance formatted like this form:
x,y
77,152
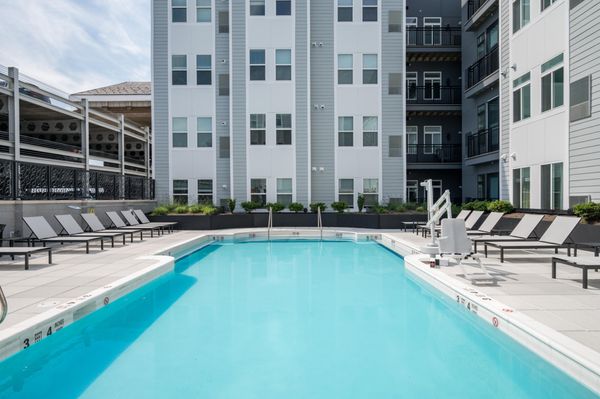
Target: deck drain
x,y
48,304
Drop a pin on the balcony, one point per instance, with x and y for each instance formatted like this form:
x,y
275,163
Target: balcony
x,y
478,73
433,156
478,11
433,98
433,43
483,142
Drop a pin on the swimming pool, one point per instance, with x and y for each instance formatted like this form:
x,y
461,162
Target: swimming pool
x,y
294,319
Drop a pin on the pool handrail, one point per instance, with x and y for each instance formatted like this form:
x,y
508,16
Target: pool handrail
x,y
270,223
319,221
4,305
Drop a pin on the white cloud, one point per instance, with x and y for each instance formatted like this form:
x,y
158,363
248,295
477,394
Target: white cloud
x,y
77,44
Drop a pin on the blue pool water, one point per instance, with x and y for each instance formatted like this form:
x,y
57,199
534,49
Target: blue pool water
x,y
283,320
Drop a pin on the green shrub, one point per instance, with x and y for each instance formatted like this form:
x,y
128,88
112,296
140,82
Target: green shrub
x,y
231,202
455,210
396,207
339,206
171,207
296,207
476,206
316,205
360,202
249,206
411,206
209,209
182,209
590,211
196,208
379,209
160,210
420,209
500,206
275,206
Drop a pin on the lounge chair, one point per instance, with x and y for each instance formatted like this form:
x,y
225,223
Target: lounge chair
x,y
463,214
144,220
488,224
522,231
95,225
25,251
44,233
555,237
470,222
118,223
585,263
133,221
455,244
71,228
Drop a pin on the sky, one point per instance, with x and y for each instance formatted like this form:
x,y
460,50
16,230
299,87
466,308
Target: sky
x,y
76,45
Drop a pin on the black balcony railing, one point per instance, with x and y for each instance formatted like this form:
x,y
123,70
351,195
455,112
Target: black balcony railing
x,y
484,67
433,153
30,181
483,142
473,6
433,36
433,95
56,145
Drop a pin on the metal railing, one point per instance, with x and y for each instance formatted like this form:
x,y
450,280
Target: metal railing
x,y
483,68
320,222
4,305
433,153
433,36
433,95
270,223
483,142
55,145
473,6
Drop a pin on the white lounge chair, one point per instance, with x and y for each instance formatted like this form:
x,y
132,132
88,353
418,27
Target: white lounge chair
x,y
455,244
522,231
488,224
470,222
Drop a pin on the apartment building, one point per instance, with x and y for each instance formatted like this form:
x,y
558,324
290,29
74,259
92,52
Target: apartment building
x,y
274,100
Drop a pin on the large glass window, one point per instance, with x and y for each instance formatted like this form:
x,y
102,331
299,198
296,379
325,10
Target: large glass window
x,y
204,70
521,14
344,10
370,69
257,64
412,81
411,30
432,31
180,192
553,81
258,191
522,97
223,21
204,132
205,191
179,70
370,129
203,10
283,7
284,191
345,131
433,85
432,136
412,191
395,146
257,7
346,191
283,124
371,191
521,188
411,139
547,3
180,132
258,132
394,21
283,60
345,69
369,10
552,186
179,11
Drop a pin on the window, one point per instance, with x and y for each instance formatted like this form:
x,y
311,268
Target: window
x,y
223,147
412,80
346,191
481,187
257,64
284,191
433,85
258,130
432,136
521,188
553,81
204,132
547,3
481,117
579,99
437,189
203,70
179,11
345,131
369,10
344,10
180,192
203,10
412,191
179,132
371,191
283,60
283,7
432,31
522,98
370,129
205,191
179,73
551,186
395,83
224,84
493,186
369,69
257,7
394,21
345,69
481,47
411,139
395,144
223,21
492,37
258,191
411,31
521,14
283,124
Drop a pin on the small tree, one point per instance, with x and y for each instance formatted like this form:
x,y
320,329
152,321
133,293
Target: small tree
x,y
360,201
296,207
339,206
231,205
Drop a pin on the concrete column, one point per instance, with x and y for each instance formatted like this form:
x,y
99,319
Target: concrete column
x,y
147,153
14,114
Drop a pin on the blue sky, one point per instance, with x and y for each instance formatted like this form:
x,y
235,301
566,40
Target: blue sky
x,y
77,44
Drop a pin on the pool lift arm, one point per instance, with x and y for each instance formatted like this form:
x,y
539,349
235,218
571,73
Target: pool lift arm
x,y
435,213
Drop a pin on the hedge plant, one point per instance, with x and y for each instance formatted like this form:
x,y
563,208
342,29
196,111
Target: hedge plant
x,y
590,211
339,206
